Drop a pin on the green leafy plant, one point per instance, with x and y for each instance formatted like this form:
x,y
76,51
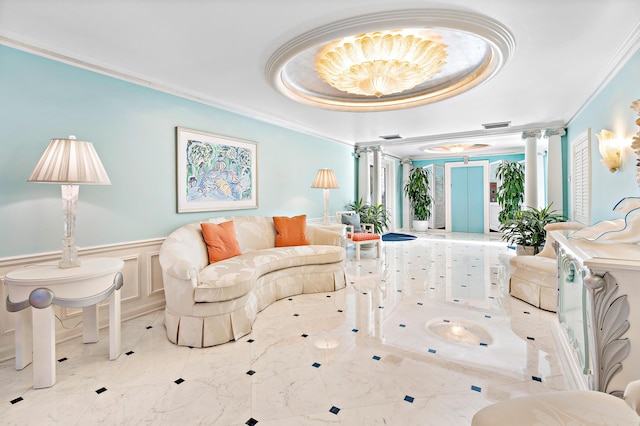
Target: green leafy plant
x,y
510,193
527,227
375,215
417,190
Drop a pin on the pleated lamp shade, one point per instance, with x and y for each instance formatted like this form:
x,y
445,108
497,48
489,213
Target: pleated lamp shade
x,y
325,179
70,161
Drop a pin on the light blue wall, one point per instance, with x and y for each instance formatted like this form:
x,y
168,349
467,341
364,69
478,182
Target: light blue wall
x,y
133,130
610,110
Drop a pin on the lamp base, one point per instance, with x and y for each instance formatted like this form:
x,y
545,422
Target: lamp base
x,y
69,207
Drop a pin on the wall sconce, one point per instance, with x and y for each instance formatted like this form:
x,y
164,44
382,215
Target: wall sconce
x,y
609,149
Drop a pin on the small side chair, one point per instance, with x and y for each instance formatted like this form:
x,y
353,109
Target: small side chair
x,y
358,233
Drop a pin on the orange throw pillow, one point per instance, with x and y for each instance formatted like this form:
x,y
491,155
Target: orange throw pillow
x,y
221,240
291,231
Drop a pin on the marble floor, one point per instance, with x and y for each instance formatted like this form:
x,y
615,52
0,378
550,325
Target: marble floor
x,y
426,335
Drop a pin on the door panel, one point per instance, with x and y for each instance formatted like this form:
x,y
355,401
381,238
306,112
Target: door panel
x,y
467,199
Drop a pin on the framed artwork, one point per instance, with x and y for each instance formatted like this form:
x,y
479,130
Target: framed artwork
x,y
215,172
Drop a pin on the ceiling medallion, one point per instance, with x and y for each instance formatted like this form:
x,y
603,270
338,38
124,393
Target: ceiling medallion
x,y
391,60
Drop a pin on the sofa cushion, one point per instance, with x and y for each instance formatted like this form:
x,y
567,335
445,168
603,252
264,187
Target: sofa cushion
x,y
291,231
353,220
234,277
221,240
535,264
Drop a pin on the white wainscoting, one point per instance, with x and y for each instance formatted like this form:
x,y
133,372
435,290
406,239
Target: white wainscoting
x,y
142,292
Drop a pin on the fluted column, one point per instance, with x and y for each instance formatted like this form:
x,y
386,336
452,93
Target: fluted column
x,y
554,169
530,168
406,206
377,175
364,164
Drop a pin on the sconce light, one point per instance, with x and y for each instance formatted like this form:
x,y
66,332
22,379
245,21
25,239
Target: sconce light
x,y
609,149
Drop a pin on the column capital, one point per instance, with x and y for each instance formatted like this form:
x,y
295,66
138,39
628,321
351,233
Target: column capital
x,y
531,134
406,161
361,150
554,132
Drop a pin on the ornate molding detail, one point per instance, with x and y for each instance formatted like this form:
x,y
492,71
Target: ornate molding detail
x,y
527,134
635,144
406,162
362,150
607,319
554,132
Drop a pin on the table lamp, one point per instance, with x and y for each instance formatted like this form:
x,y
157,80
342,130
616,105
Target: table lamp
x,y
326,180
70,162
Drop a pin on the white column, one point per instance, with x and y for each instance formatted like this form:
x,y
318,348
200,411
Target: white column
x,y
554,169
377,175
364,163
530,168
406,206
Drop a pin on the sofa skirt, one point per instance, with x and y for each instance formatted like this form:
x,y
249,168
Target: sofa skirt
x,y
214,323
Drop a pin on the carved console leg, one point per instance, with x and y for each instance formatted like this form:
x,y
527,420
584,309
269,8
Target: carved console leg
x,y
607,319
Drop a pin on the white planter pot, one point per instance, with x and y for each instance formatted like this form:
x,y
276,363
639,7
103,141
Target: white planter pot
x,y
420,225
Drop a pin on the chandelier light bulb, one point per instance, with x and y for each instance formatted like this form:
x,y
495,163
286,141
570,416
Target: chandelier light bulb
x,y
380,63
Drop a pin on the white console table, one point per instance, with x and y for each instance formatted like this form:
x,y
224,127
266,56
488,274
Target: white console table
x,y
41,286
599,309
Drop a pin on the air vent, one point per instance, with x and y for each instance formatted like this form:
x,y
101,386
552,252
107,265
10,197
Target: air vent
x,y
391,137
498,125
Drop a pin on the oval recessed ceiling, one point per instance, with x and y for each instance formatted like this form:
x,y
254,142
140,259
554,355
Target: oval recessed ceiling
x,y
477,48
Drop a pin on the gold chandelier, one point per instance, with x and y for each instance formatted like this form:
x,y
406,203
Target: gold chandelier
x,y
380,63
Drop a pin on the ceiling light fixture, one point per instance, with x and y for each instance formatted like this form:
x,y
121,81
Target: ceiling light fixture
x,y
455,148
382,62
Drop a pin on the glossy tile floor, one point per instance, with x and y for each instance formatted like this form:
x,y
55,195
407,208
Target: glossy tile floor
x,y
427,335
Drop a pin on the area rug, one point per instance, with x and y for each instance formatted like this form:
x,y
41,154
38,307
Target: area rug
x,y
392,236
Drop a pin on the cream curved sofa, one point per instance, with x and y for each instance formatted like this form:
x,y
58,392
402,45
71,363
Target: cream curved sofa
x,y
533,278
208,305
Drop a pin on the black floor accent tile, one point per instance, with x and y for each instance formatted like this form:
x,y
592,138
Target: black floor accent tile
x,y
251,422
251,372
149,327
476,388
305,335
250,341
180,380
129,353
339,310
409,398
380,307
328,295
99,391
63,359
334,410
296,315
483,344
316,365
15,401
355,330
402,325
537,379
527,312
530,338
432,351
376,357
419,303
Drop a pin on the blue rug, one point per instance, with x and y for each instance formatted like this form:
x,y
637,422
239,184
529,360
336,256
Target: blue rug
x,y
392,236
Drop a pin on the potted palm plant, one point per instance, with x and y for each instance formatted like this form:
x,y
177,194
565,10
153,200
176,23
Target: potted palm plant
x,y
374,214
526,230
510,192
417,190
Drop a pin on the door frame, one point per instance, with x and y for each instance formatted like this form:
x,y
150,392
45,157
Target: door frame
x,y
447,190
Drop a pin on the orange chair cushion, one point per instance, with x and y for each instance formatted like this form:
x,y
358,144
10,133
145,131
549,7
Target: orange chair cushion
x,y
291,231
221,240
364,236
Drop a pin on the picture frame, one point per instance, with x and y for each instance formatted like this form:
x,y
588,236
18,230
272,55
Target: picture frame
x,y
215,172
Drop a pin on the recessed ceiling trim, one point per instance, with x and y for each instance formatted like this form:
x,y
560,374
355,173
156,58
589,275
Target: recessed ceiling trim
x,y
498,39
